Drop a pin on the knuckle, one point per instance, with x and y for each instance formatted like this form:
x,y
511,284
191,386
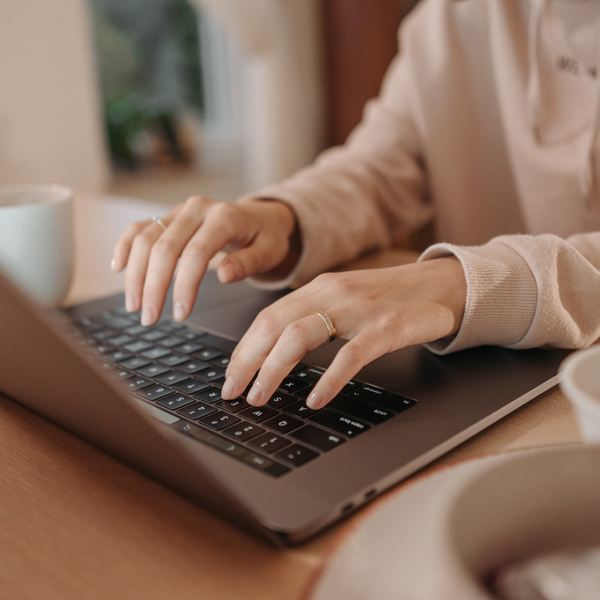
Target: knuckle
x,y
195,249
353,355
163,248
225,210
195,202
266,323
296,333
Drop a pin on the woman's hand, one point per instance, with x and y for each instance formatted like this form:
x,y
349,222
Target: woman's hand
x,y
378,311
259,232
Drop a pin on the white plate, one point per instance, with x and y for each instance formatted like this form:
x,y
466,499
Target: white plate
x,y
439,537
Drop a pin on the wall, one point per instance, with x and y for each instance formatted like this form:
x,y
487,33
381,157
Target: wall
x,y
50,118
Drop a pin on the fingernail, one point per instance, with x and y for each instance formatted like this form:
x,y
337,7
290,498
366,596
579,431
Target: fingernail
x,y
231,272
113,265
254,394
227,391
179,311
147,315
130,303
315,401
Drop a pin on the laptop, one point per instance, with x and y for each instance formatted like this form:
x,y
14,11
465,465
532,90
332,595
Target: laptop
x,y
150,398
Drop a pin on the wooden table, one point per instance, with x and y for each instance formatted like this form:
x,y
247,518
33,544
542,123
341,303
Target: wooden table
x,y
76,523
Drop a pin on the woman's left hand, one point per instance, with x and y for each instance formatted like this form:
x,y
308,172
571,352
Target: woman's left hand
x,y
378,311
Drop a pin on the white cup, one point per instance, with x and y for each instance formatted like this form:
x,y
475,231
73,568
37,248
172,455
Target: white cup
x,y
36,240
581,384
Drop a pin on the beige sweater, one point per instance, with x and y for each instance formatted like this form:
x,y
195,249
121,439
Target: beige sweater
x,y
487,120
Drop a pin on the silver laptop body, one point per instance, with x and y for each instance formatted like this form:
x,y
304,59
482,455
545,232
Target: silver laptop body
x,y
458,396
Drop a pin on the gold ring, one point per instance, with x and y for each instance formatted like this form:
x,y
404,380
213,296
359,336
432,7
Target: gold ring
x,y
159,222
331,330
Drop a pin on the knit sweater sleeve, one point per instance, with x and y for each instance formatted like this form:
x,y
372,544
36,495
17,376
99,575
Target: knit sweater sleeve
x,y
368,194
527,291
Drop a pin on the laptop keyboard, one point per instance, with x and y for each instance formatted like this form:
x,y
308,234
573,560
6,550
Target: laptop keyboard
x,y
176,372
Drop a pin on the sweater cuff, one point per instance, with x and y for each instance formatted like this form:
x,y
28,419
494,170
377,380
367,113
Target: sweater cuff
x,y
501,296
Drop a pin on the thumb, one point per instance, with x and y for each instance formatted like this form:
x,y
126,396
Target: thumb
x,y
263,254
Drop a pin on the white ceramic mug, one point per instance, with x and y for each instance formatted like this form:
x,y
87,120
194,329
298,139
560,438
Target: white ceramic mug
x,y
581,384
36,240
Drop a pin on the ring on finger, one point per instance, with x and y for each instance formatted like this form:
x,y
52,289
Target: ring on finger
x,y
331,330
159,222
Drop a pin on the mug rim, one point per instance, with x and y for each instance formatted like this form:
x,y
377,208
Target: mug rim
x,y
63,193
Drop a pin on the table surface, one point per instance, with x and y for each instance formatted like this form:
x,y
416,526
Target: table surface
x,y
79,524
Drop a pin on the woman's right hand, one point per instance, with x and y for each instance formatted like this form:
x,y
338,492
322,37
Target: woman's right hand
x,y
258,232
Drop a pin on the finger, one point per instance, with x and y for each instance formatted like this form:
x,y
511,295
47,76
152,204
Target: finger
x,y
262,255
297,339
137,265
163,258
260,339
352,357
123,247
224,224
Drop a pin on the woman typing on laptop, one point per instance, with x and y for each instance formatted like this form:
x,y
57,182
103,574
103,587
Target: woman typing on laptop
x,y
489,120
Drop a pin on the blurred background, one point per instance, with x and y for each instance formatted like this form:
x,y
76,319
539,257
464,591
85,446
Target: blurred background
x,y
162,99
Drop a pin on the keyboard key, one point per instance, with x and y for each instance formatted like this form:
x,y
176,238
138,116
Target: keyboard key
x,y
121,375
119,355
135,363
299,409
172,360
305,393
120,340
189,348
137,347
248,456
153,370
283,424
155,352
319,438
258,414
211,395
296,455
291,385
116,323
197,411
207,354
103,348
136,330
139,383
269,443
155,392
211,374
396,403
191,386
280,399
221,362
312,374
103,334
176,401
153,336
171,378
189,334
233,405
171,342
192,366
371,413
347,426
368,393
351,385
243,431
219,420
